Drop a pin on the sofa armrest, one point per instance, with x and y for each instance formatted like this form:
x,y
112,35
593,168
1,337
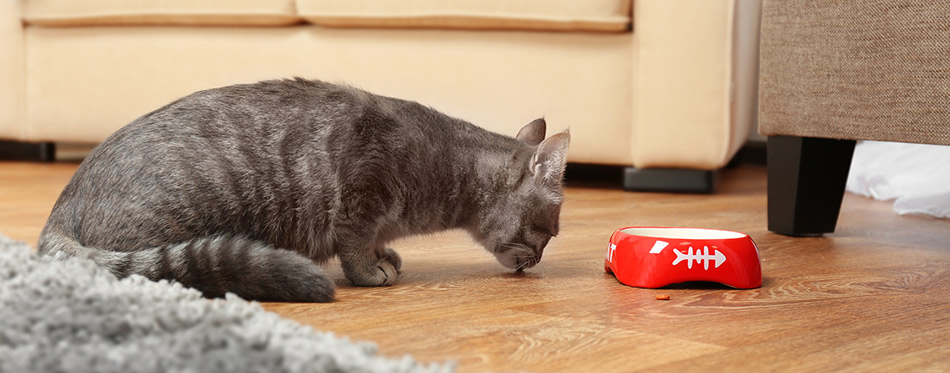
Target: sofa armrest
x,y
11,70
695,81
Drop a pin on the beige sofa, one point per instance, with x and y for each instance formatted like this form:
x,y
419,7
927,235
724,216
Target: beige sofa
x,y
646,83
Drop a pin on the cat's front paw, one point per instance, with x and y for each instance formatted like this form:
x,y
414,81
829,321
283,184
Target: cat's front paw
x,y
384,273
390,272
392,257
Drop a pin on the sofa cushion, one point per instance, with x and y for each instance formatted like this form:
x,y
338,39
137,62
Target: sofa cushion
x,y
565,15
159,12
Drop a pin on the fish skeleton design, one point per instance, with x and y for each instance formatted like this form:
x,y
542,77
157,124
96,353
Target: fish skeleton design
x,y
699,256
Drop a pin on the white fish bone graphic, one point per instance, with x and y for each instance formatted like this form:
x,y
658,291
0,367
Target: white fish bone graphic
x,y
699,256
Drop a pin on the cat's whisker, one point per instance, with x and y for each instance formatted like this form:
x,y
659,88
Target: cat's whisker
x,y
525,257
523,265
515,246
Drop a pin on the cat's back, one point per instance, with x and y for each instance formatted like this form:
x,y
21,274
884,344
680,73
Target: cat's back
x,y
242,124
224,149
272,104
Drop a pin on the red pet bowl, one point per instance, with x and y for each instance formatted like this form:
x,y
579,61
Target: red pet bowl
x,y
653,257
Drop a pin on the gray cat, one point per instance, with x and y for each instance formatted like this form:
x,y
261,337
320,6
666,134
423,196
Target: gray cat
x,y
246,188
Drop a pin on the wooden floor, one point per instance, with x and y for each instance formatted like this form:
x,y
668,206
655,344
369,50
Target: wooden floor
x,y
873,296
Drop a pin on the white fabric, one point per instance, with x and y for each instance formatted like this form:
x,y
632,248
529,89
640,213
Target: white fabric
x,y
916,176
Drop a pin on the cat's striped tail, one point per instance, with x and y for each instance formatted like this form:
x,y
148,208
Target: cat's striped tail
x,y
215,266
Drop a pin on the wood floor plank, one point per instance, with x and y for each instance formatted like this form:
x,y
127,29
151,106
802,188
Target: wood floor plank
x,y
27,194
873,296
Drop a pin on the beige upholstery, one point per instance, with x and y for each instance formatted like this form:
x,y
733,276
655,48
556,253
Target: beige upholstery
x,y
688,82
159,12
666,95
868,70
12,74
592,15
500,81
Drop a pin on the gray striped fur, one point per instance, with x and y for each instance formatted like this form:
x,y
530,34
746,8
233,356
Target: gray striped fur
x,y
247,188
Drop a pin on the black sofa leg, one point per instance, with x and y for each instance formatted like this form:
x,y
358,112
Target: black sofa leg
x,y
24,151
665,180
806,182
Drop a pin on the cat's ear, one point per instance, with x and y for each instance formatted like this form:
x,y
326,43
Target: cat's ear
x,y
550,159
532,133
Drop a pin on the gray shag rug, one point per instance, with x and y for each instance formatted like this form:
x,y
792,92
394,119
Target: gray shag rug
x,y
71,316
